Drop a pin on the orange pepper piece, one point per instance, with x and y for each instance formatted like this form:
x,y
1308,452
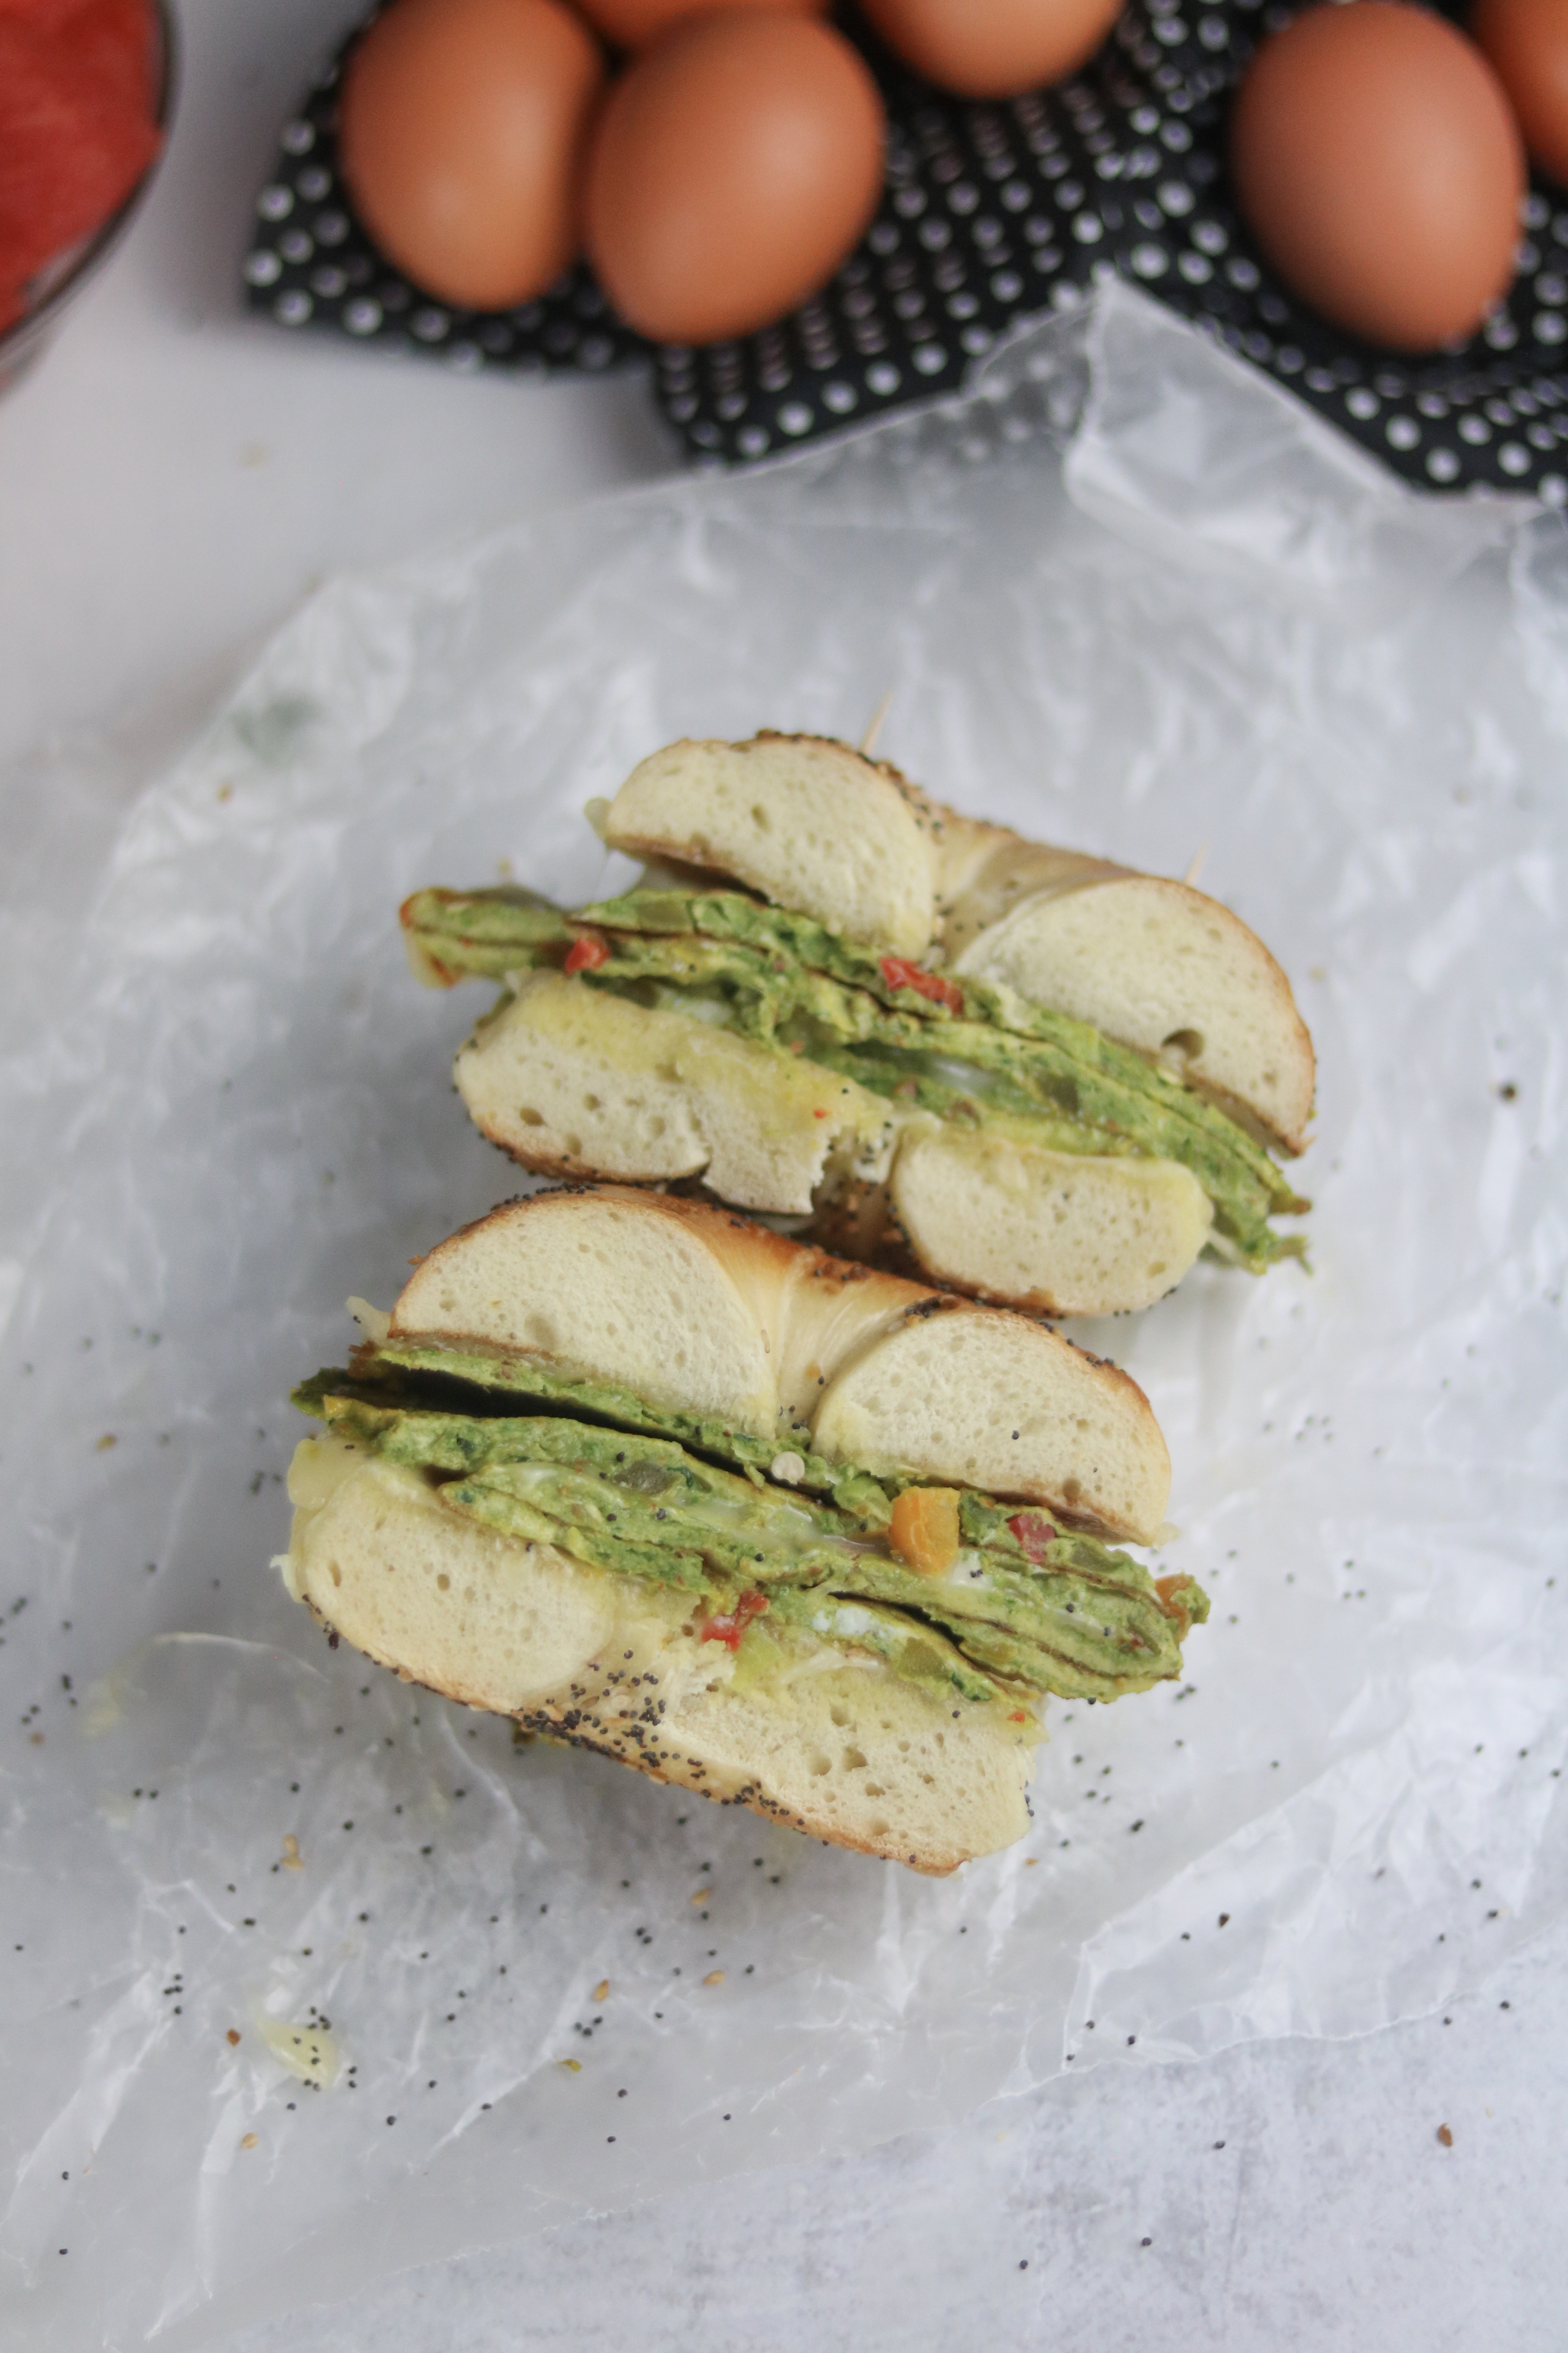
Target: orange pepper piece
x,y
925,1528
1170,1590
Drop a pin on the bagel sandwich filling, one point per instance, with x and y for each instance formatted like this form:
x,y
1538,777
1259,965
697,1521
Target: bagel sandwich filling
x,y
781,1566
932,1046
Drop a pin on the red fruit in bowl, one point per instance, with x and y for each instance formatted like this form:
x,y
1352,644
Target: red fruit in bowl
x,y
77,131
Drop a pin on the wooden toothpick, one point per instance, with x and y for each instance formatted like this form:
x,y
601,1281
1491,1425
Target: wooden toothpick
x,y
869,741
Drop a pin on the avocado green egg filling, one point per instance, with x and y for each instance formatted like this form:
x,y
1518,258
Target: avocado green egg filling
x,y
970,1052
416,1371
763,1563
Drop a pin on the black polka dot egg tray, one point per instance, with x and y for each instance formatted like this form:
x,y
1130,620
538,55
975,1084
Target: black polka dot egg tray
x,y
991,215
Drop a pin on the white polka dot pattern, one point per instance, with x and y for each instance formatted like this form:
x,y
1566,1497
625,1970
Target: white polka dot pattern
x,y
992,215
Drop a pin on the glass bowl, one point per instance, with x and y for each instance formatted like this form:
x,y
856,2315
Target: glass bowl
x,y
62,279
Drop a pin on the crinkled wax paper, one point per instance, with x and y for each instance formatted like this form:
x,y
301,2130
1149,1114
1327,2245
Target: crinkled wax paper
x,y
306,1974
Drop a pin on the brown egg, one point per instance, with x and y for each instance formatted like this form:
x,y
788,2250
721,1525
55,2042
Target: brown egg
x,y
734,167
630,23
1527,41
462,130
994,48
1376,160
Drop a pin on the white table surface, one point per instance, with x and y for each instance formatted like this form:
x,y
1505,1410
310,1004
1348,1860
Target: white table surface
x,y
172,479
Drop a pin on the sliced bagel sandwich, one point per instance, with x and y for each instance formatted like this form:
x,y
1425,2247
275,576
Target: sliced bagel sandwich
x,y
1033,1075
775,1527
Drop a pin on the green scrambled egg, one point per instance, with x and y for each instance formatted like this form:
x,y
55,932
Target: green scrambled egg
x,y
962,1049
1025,1607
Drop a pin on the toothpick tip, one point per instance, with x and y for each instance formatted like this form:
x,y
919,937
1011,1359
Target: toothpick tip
x,y
867,744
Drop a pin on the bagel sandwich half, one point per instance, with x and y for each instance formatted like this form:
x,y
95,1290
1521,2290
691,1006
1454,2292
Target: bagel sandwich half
x,y
781,1529
1029,1075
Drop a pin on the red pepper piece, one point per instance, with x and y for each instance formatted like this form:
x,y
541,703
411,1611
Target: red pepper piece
x,y
586,953
729,1630
1035,1534
898,973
